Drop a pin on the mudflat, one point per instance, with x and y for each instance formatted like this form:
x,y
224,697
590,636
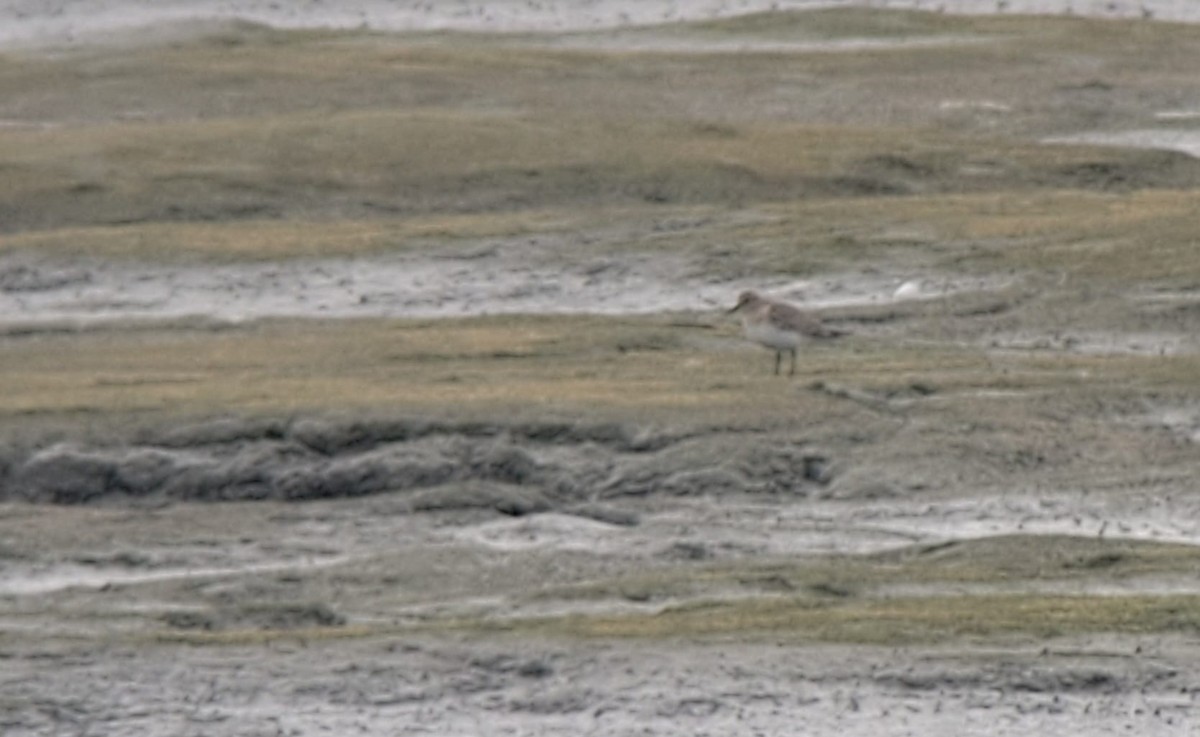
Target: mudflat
x,y
365,380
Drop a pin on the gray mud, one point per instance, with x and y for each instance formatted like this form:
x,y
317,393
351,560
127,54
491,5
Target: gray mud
x,y
528,468
299,561
413,686
295,575
74,21
479,278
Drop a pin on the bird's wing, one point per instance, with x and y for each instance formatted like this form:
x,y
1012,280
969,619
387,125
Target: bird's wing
x,y
787,317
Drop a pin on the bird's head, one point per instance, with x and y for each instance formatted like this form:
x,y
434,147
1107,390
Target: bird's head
x,y
746,298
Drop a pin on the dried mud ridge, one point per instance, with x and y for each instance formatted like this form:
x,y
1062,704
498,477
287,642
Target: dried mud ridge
x,y
527,467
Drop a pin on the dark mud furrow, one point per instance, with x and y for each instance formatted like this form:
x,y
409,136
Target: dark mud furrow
x,y
560,463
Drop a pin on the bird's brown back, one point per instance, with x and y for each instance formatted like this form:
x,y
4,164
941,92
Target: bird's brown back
x,y
786,317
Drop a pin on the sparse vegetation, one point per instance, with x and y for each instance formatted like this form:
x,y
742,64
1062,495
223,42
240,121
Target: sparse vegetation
x,y
894,621
918,158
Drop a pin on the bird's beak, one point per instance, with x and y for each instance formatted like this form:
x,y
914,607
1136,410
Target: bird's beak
x,y
735,308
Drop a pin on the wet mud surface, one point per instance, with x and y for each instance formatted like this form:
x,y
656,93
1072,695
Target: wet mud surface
x,y
488,277
409,405
514,687
219,619
408,576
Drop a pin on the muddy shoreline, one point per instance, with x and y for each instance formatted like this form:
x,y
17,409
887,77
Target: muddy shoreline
x,y
358,379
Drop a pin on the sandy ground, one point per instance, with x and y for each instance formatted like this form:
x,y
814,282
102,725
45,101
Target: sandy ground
x,y
343,571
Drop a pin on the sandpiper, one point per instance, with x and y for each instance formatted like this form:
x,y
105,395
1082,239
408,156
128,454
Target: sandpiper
x,y
779,325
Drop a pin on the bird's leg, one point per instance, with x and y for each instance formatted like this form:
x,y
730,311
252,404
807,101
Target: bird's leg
x,y
778,358
793,371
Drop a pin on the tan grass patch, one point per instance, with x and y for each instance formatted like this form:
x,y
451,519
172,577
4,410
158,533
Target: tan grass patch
x,y
612,367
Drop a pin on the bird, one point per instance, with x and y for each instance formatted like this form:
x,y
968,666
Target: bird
x,y
779,326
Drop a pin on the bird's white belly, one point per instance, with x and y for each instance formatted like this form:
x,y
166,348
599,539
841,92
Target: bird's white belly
x,y
771,336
